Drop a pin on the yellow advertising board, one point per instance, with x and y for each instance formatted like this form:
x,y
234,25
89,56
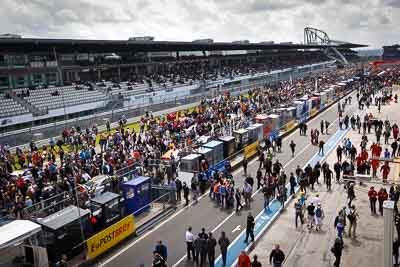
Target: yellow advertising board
x,y
109,237
251,149
290,125
314,111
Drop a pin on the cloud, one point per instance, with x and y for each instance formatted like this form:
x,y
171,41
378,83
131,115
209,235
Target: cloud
x,y
391,3
366,21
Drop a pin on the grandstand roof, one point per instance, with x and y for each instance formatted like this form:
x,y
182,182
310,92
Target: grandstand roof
x,y
26,45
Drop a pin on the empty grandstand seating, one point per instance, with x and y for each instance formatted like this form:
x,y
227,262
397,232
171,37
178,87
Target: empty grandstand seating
x,y
129,88
57,97
9,108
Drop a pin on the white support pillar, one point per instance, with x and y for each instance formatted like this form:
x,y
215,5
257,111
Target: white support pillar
x,y
388,207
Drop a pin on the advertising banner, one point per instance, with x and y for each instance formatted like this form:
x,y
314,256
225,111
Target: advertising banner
x,y
290,125
314,112
251,149
109,237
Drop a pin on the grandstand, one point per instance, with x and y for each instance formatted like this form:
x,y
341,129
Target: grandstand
x,y
57,97
9,107
47,79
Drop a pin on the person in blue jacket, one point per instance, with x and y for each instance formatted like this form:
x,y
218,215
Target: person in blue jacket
x,y
162,250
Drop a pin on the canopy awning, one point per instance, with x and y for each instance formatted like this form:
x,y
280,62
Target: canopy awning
x,y
17,231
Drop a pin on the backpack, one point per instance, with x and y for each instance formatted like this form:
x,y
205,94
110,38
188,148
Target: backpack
x,y
318,213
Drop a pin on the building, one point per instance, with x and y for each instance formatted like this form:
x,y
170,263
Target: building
x,y
391,52
26,62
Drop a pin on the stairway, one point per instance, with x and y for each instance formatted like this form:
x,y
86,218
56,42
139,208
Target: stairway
x,y
32,109
335,54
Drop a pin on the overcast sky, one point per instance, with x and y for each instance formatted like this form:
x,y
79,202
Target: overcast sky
x,y
372,22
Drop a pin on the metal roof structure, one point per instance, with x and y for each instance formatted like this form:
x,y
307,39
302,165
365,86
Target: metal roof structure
x,y
28,45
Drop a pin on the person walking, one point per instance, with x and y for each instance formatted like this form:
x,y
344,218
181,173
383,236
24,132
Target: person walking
x,y
179,187
311,215
195,188
337,167
298,207
247,190
293,183
385,169
259,177
238,198
158,260
353,217
321,147
396,245
327,123
328,178
244,259
372,195
211,244
382,196
203,250
340,222
278,142
261,158
197,244
186,193
339,153
223,243
255,262
322,126
250,228
189,238
292,147
319,216
245,163
162,250
337,251
267,194
276,257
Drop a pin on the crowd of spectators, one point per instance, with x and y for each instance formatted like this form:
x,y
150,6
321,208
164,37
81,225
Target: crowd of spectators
x,y
82,154
211,69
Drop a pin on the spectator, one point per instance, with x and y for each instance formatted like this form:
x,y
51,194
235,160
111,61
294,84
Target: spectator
x,y
276,257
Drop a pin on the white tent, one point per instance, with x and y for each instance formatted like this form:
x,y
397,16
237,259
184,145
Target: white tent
x,y
16,231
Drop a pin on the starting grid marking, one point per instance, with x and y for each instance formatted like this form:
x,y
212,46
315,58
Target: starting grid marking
x,y
266,217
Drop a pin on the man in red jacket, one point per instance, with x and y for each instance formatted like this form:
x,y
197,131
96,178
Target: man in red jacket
x,y
385,169
382,196
372,195
375,166
244,260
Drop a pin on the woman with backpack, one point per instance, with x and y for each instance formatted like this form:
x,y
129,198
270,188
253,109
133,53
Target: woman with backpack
x,y
319,216
340,223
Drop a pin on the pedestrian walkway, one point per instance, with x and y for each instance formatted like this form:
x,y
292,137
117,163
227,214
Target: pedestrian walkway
x,y
266,217
304,248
